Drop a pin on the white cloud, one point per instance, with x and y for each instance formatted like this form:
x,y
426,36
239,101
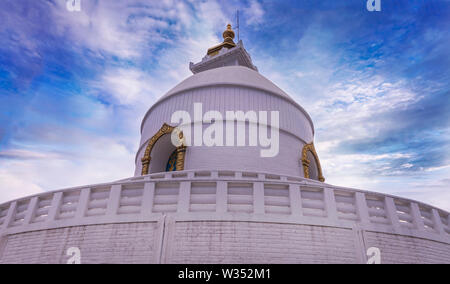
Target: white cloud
x,y
27,154
125,86
254,13
14,187
127,29
432,169
99,160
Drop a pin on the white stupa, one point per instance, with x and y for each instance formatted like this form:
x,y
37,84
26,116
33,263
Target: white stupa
x,y
223,203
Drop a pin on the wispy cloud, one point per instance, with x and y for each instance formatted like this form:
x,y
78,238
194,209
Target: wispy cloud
x,y
75,86
254,13
124,86
22,154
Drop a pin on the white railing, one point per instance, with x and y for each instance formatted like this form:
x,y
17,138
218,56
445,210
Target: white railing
x,y
225,195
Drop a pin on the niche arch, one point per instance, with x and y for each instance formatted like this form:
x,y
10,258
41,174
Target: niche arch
x,y
162,132
311,163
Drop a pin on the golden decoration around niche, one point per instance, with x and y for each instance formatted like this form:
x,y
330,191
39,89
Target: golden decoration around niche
x,y
306,163
180,150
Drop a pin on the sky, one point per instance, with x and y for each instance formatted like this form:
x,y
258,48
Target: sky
x,y
74,86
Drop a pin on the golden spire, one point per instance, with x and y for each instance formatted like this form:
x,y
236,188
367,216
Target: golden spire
x,y
228,36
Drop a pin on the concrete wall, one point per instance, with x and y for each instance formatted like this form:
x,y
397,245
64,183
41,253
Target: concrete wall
x,y
107,243
221,217
404,249
216,242
258,242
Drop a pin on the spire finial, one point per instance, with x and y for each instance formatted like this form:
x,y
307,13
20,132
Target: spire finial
x,y
228,34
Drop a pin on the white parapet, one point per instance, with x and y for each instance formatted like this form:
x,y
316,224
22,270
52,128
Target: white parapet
x,y
192,216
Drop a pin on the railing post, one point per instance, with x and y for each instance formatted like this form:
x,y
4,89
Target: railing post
x,y
258,198
2,244
330,204
417,217
448,223
295,199
54,208
83,203
221,197
114,200
31,210
361,207
147,199
438,226
10,215
391,212
184,195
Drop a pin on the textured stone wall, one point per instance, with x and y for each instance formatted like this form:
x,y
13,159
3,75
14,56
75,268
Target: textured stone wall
x,y
404,249
110,243
251,242
216,242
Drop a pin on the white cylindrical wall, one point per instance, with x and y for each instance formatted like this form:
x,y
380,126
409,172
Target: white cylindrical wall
x,y
258,94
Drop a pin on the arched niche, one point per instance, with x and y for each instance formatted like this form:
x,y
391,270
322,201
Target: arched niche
x,y
159,150
311,163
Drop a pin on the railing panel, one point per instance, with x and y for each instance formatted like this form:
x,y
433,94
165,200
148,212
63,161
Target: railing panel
x,y
69,204
166,197
377,209
131,198
3,213
228,193
19,214
240,197
276,199
313,201
98,201
203,196
346,205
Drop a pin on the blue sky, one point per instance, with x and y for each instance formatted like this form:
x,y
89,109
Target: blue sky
x,y
74,86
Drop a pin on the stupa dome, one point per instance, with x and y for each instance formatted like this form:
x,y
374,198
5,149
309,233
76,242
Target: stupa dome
x,y
216,203
231,88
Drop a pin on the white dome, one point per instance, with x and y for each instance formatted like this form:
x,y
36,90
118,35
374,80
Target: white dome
x,y
228,76
231,88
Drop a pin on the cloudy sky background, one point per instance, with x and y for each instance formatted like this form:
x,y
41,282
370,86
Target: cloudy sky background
x,y
74,86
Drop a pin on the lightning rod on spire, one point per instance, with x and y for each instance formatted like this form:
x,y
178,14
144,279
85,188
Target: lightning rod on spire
x,y
237,24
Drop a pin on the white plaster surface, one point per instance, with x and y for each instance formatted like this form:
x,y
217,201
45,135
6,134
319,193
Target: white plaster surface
x,y
296,128
221,217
